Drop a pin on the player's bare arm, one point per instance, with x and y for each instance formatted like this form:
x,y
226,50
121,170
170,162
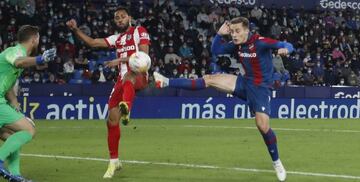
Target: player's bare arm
x,y
117,61
82,36
25,62
144,48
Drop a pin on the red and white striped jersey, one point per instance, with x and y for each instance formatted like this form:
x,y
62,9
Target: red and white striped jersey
x,y
128,43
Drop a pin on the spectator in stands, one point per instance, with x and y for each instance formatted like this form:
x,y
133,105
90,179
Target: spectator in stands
x,y
278,64
298,78
318,71
171,55
185,74
98,75
308,61
186,30
203,72
204,67
331,77
66,51
296,63
169,67
345,71
276,30
111,74
81,63
309,77
319,59
37,78
185,51
52,78
175,74
341,82
355,64
256,13
203,19
184,65
337,53
193,74
233,11
353,80
56,67
69,69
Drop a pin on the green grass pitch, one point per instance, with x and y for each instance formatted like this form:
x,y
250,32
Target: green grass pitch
x,y
195,150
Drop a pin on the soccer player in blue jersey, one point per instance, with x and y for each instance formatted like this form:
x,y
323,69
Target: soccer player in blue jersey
x,y
254,53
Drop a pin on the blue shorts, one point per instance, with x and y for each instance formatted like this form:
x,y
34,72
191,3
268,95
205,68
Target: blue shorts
x,y
257,97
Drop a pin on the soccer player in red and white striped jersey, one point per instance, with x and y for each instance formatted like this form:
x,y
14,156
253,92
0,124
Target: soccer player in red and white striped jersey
x,y
129,40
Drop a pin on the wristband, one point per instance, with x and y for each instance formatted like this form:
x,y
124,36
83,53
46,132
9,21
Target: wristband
x,y
39,60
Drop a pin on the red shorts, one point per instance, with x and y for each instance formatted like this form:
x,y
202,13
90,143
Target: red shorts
x,y
117,92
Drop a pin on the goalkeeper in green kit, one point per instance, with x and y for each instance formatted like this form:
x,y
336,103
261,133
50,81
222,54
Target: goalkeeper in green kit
x,y
17,130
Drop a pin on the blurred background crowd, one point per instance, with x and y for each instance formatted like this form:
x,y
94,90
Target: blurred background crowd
x,y
326,42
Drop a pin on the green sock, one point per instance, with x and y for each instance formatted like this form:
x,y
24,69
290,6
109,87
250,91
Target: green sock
x,y
14,143
14,163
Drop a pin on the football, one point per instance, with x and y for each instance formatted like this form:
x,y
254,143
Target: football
x,y
139,62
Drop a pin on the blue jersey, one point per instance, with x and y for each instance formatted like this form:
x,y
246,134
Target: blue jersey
x,y
255,56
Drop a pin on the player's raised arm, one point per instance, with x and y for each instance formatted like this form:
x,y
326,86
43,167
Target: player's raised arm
x,y
284,48
218,45
81,35
25,62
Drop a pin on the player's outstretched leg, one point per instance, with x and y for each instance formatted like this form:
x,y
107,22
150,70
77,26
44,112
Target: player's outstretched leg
x,y
160,80
262,122
112,167
113,130
128,99
183,83
113,142
3,172
19,178
13,159
23,133
14,163
128,96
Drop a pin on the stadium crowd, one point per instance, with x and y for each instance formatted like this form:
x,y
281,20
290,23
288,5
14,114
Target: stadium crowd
x,y
326,42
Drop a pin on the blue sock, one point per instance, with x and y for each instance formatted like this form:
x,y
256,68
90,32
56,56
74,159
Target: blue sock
x,y
189,84
270,141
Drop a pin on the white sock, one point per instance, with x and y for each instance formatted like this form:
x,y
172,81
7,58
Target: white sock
x,y
114,161
277,161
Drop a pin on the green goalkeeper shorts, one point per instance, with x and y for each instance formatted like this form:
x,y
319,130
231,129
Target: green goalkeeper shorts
x,y
9,115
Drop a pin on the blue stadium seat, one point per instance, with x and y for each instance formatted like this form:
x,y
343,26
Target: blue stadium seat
x,y
77,74
92,65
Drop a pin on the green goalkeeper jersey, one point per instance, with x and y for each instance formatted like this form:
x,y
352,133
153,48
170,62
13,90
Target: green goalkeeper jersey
x,y
8,72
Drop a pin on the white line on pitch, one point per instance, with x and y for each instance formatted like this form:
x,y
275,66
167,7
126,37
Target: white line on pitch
x,y
212,126
279,129
195,166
